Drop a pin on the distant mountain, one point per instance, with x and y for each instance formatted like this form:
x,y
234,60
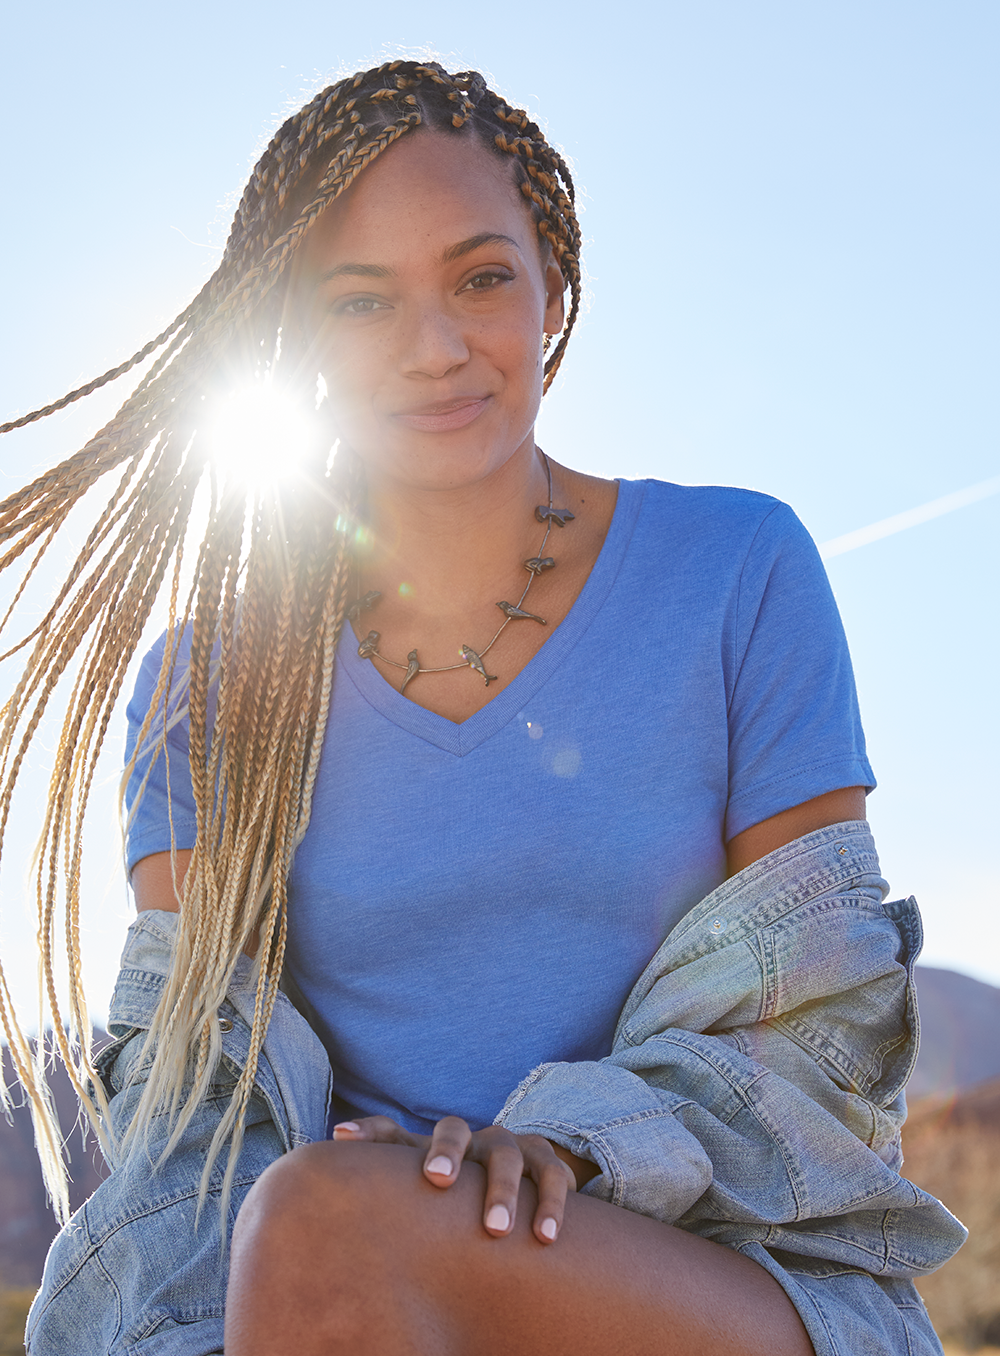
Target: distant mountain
x,y
959,1032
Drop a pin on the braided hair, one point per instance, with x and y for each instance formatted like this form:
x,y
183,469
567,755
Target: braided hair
x,y
258,583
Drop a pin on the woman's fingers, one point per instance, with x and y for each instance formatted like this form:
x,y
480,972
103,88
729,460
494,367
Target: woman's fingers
x,y
506,1157
445,1148
500,1154
553,1179
448,1146
377,1130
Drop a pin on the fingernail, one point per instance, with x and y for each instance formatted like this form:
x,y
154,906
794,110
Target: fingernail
x,y
440,1166
548,1228
351,1127
498,1219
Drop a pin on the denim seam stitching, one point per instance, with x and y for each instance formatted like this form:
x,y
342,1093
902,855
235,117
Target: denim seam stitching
x,y
770,1135
619,1123
158,1206
820,892
823,1048
64,1282
520,1092
154,1318
772,992
820,902
743,1091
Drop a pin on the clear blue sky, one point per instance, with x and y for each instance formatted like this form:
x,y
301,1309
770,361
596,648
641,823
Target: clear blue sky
x,y
791,216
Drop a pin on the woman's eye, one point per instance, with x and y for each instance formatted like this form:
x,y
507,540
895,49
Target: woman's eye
x,y
486,281
358,306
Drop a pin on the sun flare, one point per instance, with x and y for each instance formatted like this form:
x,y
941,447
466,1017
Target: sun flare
x,y
259,436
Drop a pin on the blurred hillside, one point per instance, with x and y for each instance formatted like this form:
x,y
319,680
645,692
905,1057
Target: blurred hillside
x,y
952,1150
959,1033
27,1226
951,1143
26,1223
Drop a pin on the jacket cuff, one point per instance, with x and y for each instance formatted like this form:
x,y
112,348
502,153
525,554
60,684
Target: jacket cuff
x,y
649,1162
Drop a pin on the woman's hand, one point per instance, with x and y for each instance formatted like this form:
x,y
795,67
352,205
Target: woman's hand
x,y
506,1158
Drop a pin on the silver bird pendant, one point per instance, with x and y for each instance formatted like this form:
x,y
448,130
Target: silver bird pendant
x,y
412,668
560,516
539,563
363,604
517,614
475,662
369,646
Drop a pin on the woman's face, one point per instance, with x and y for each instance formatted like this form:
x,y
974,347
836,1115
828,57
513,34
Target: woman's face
x,y
426,297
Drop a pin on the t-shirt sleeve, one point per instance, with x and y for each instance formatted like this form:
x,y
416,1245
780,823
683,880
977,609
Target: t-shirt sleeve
x,y
158,789
794,724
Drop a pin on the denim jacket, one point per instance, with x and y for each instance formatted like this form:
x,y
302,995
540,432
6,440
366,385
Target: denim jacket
x,y
754,1091
753,1095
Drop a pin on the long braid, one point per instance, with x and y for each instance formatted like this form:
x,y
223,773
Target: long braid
x,y
254,615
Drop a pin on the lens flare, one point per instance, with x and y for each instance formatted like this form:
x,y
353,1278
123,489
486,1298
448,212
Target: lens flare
x,y
260,437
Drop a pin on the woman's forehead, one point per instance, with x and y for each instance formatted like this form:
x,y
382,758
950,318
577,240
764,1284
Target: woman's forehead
x,y
442,187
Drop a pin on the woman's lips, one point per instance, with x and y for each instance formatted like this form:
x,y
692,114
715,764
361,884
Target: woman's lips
x,y
444,418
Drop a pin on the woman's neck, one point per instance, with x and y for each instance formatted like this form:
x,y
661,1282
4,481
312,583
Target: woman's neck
x,y
442,562
442,553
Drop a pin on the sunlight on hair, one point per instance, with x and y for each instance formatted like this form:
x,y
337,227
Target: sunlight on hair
x,y
162,538
259,436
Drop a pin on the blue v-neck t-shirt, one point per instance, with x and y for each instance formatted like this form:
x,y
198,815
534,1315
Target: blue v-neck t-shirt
x,y
471,900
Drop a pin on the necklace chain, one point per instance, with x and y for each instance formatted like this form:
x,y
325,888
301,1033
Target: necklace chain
x,y
473,659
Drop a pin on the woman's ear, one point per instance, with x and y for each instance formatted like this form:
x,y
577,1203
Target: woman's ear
x,y
555,286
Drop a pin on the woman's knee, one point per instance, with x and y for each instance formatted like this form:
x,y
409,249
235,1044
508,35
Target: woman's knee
x,y
320,1239
322,1194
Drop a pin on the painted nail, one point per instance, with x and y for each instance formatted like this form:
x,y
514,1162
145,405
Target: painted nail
x,y
351,1127
498,1219
440,1166
548,1228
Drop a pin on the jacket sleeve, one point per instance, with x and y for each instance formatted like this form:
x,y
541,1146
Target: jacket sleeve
x,y
770,1124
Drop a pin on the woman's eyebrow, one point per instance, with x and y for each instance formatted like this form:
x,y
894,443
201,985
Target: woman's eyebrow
x,y
454,252
449,256
357,271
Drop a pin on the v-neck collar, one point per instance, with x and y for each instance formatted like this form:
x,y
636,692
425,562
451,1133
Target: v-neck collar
x,y
463,737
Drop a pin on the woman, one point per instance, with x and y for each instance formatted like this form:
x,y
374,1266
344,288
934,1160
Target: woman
x,y
484,839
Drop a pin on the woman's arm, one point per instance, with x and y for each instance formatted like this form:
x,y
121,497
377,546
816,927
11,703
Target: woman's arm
x,y
154,883
835,807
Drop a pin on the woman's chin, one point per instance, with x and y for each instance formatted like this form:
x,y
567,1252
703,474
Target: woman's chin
x,y
428,462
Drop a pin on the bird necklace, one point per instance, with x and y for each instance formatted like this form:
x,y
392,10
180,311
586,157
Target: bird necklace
x,y
473,659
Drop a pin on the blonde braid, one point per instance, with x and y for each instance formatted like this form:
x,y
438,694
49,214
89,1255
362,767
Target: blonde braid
x,y
260,618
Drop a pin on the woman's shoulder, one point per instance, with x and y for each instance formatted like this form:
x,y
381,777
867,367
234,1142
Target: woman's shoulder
x,y
178,639
729,518
163,682
733,502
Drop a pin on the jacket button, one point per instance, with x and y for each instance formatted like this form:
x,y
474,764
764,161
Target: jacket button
x,y
225,1025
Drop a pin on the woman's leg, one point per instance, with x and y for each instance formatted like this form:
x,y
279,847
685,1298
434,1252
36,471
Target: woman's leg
x,y
347,1248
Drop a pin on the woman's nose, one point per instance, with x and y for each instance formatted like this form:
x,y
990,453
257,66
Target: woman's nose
x,y
434,343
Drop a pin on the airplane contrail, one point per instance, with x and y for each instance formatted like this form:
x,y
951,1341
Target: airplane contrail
x,y
885,527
